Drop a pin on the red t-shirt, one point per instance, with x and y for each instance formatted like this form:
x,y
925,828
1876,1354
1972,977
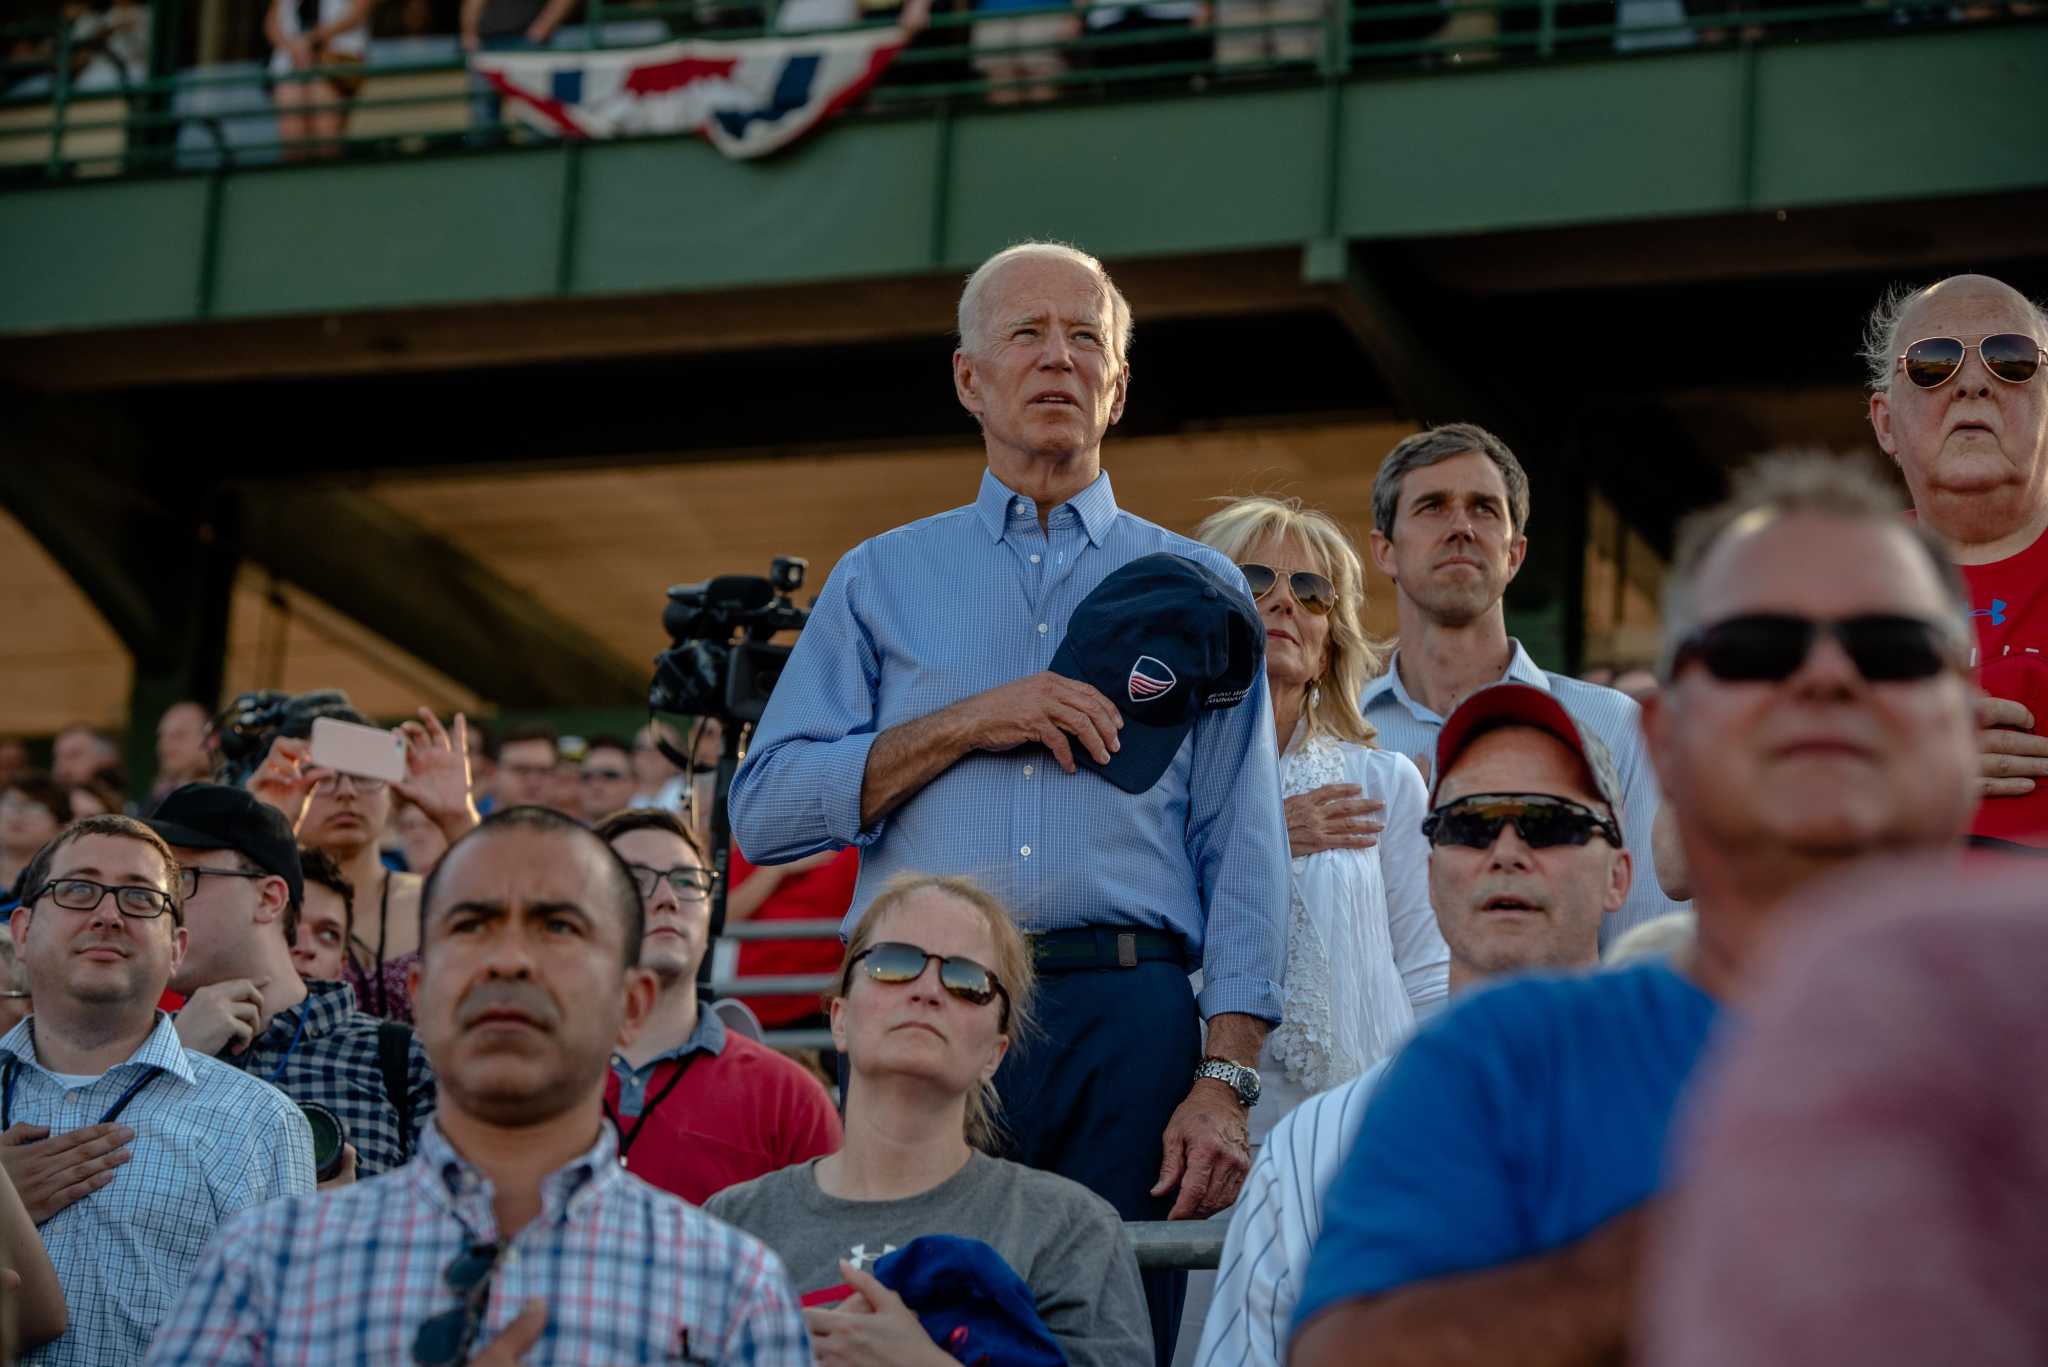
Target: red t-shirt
x,y
736,1115
2009,608
822,893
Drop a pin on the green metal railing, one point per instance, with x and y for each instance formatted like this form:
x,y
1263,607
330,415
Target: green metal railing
x,y
68,132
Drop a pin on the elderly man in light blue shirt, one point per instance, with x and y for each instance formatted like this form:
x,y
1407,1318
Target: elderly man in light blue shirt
x,y
918,719
1450,507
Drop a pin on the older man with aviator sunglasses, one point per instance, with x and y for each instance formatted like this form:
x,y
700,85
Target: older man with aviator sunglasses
x,y
1959,400
1815,711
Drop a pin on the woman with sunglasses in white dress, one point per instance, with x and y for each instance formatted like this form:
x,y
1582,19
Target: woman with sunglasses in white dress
x,y
936,987
1364,956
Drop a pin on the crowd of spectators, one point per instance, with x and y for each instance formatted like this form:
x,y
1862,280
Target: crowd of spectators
x,y
1164,892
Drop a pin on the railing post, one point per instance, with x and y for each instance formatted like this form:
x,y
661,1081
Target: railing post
x,y
60,98
596,22
1546,42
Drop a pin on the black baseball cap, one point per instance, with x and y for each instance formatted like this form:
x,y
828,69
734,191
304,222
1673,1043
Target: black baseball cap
x,y
1165,639
214,816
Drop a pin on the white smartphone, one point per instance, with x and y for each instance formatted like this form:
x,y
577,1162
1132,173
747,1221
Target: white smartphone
x,y
358,750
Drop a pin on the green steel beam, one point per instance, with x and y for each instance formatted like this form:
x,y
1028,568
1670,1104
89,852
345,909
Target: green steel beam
x,y
1491,148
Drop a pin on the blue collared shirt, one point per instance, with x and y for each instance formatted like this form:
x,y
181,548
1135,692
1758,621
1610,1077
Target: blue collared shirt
x,y
1406,725
209,1141
708,1037
921,617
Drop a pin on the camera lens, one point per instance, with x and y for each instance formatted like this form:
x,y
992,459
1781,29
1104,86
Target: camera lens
x,y
328,1139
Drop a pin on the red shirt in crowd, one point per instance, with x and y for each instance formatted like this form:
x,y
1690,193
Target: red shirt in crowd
x,y
2009,608
823,893
738,1111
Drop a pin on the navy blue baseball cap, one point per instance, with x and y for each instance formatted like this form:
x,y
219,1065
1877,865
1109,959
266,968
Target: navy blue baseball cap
x,y
1165,639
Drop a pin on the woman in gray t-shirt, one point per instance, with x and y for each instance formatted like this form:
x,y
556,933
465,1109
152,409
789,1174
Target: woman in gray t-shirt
x,y
936,986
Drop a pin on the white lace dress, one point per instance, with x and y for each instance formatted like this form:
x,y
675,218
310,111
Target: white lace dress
x,y
1364,957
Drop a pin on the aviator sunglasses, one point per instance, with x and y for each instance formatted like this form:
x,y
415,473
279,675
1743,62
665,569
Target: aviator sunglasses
x,y
1543,822
895,962
1315,593
1770,647
1932,362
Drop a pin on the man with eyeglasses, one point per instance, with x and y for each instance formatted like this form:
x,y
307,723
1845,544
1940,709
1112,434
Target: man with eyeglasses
x,y
243,888
606,781
129,1149
1450,511
1815,711
1959,399
515,1229
1526,862
698,1108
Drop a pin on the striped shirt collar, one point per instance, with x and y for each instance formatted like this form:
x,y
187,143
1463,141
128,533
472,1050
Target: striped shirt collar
x,y
161,1049
453,1184
1521,669
998,503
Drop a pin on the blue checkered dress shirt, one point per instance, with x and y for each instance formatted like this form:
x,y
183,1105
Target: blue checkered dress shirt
x,y
334,1061
1406,725
924,616
209,1141
629,1274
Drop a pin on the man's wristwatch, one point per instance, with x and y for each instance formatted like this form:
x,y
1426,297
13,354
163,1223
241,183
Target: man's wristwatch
x,y
1238,1078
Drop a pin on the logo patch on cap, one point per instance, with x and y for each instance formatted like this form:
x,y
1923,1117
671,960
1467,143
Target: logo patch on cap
x,y
1150,678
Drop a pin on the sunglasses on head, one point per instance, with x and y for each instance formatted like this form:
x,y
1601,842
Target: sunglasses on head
x,y
895,962
1932,362
1767,647
1543,822
1311,590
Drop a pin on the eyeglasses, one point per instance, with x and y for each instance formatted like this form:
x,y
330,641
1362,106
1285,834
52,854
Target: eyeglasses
x,y
1932,362
444,1339
83,894
1767,647
190,874
1315,593
605,775
1542,821
326,786
688,883
895,962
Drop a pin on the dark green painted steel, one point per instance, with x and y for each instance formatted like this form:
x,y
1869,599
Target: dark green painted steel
x,y
1498,146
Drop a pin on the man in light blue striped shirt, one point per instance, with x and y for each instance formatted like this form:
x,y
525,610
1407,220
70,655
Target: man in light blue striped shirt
x,y
1450,508
917,719
99,930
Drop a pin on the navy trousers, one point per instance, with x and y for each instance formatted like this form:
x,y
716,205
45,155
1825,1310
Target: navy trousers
x,y
1090,1098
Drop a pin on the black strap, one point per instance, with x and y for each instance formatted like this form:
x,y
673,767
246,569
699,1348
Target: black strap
x,y
13,1064
394,1056
626,1141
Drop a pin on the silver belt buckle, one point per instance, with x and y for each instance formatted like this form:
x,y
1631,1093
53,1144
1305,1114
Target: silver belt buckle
x,y
1126,950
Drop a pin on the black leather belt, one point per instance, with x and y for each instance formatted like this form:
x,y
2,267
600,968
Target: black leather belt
x,y
1069,951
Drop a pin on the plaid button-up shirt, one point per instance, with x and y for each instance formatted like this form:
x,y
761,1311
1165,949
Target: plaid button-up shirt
x,y
334,1061
629,1274
209,1142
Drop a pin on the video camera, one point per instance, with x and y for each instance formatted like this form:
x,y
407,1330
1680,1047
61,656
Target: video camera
x,y
245,727
719,663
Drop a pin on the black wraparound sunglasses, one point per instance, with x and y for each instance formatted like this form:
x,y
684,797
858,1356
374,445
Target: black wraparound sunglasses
x,y
895,962
1767,647
1542,821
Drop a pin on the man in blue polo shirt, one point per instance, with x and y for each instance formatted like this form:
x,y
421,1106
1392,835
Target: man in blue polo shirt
x,y
1816,709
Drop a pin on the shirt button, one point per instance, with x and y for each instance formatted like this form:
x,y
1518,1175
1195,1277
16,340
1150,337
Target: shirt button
x,y
1034,558
1043,628
1027,771
1025,851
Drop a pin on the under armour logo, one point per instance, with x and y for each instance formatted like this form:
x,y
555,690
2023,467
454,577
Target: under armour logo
x,y
859,1256
1996,612
1146,683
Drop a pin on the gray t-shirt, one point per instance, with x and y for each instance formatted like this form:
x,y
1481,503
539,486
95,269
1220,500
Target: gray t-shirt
x,y
1062,1239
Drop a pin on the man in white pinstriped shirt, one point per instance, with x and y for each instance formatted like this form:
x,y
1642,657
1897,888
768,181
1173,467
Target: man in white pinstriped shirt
x,y
100,930
1502,909
1450,511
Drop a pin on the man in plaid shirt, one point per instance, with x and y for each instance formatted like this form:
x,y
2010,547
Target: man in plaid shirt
x,y
515,1227
246,1005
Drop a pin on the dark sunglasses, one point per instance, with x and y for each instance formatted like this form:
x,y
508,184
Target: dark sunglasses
x,y
1315,593
895,962
1543,822
1932,362
444,1340
1767,647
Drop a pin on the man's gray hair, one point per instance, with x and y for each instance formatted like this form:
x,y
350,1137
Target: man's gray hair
x,y
973,336
1789,482
1882,341
1440,444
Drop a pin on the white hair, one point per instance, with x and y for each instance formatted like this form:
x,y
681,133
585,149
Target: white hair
x,y
971,323
1881,339
1663,937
